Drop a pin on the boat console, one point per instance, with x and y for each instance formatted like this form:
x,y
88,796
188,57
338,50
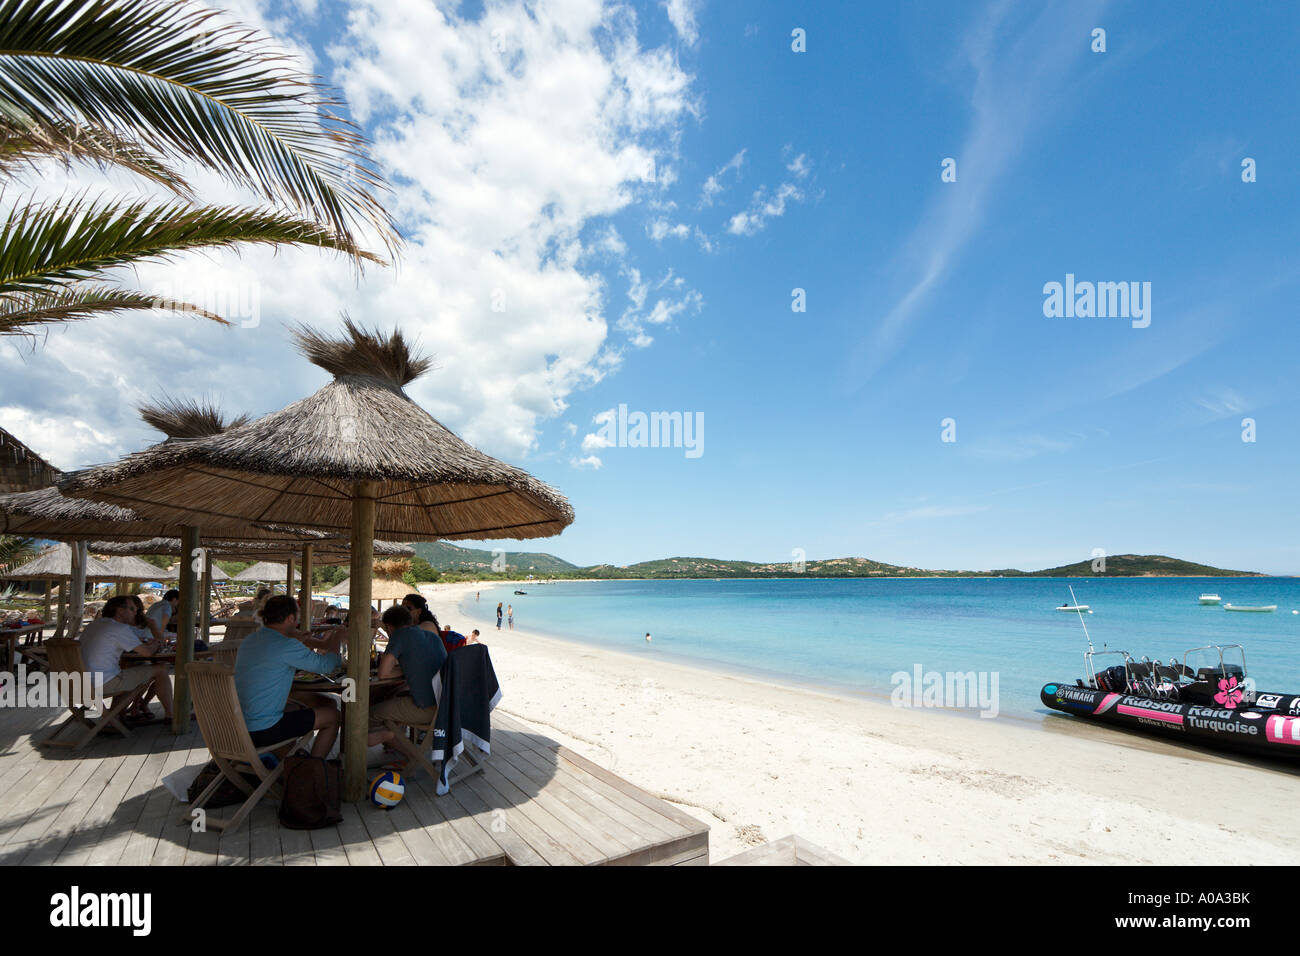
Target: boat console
x,y
1173,681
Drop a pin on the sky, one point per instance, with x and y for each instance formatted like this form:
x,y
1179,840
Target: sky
x,y
825,233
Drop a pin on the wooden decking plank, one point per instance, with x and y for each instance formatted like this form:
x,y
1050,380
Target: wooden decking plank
x,y
454,829
174,837
388,843
585,821
497,821
47,849
654,821
157,821
554,833
645,824
130,812
298,847
34,800
401,821
264,835
356,841
663,807
86,836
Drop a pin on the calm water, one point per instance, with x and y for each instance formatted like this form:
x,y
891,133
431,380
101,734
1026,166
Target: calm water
x,y
853,634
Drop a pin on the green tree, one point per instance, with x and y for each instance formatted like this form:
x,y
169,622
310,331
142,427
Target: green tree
x,y
147,85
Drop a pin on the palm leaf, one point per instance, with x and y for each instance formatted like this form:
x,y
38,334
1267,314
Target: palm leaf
x,y
22,314
15,551
47,245
195,87
24,142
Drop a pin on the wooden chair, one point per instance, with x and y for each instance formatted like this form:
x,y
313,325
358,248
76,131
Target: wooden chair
x,y
216,705
225,652
415,741
238,630
64,661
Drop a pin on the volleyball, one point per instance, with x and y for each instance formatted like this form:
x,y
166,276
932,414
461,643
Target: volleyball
x,y
387,789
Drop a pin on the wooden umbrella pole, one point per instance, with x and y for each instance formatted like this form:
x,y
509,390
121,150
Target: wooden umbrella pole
x,y
288,584
185,628
45,612
360,635
205,603
304,596
77,595
62,624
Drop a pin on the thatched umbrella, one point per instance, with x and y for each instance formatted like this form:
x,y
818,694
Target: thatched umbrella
x,y
265,571
126,568
358,455
65,564
21,469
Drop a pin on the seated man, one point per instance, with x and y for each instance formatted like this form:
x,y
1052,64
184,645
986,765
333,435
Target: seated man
x,y
264,670
417,655
162,611
107,638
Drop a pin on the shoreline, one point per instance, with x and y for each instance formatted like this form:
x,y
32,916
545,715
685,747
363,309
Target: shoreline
x,y
758,760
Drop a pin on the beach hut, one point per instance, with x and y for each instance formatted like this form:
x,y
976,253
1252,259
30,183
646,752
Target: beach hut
x,y
359,456
67,565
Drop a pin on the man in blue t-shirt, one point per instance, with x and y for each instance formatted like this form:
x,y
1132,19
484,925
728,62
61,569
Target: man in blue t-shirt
x,y
264,671
417,655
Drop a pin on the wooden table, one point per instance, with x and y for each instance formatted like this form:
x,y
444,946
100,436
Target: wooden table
x,y
10,636
336,687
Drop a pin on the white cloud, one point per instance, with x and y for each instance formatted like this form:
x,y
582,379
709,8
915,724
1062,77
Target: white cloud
x,y
510,140
799,166
681,13
763,207
1223,403
660,229
714,185
591,461
63,441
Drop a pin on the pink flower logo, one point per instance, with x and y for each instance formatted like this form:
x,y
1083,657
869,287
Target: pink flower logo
x,y
1229,694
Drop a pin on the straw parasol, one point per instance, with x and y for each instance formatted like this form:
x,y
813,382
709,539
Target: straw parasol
x,y
265,571
130,568
21,469
358,455
65,565
55,564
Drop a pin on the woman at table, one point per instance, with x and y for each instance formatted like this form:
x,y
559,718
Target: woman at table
x,y
418,607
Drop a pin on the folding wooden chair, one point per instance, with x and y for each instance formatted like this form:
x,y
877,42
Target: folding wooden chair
x,y
225,652
64,660
216,705
415,741
238,630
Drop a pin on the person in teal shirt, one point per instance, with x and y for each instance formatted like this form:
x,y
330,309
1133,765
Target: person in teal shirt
x,y
264,671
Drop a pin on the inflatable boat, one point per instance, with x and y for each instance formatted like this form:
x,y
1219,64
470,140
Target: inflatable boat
x,y
1206,700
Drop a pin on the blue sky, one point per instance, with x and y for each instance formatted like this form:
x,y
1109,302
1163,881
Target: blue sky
x,y
527,175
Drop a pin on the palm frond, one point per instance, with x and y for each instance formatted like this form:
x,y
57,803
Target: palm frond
x,y
23,313
25,142
194,86
45,245
15,551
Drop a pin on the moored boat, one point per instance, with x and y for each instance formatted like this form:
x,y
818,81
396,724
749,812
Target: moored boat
x,y
1212,704
1256,608
1073,607
1210,599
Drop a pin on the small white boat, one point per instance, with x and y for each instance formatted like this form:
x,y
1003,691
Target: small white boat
x,y
1210,599
1073,607
1258,608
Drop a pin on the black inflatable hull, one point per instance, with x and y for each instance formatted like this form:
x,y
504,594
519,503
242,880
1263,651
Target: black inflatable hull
x,y
1270,726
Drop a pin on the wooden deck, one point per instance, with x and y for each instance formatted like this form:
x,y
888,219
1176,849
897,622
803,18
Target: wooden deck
x,y
535,804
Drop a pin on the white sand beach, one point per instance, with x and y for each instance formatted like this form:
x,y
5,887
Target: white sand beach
x,y
879,784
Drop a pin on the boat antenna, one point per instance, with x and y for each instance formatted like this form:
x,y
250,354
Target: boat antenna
x,y
1075,601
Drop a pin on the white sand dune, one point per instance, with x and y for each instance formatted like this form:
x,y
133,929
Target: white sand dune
x,y
879,784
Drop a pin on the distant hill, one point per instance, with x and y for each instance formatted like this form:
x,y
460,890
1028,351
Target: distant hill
x,y
449,557
1142,565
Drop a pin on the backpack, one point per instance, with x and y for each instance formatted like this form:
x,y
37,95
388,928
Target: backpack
x,y
312,793
227,795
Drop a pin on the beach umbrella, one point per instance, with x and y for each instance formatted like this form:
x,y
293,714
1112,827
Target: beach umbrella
x,y
67,565
21,469
359,456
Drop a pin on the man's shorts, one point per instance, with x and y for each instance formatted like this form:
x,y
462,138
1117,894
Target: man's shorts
x,y
128,680
291,726
402,710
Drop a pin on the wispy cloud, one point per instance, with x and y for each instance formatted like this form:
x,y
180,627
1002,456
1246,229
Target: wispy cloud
x,y
715,185
1016,82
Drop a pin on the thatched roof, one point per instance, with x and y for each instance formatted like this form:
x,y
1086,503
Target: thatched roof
x,y
129,568
266,571
186,418
327,550
298,466
21,469
55,564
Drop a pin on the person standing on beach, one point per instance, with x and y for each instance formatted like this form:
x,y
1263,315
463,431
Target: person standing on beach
x,y
510,616
477,595
498,615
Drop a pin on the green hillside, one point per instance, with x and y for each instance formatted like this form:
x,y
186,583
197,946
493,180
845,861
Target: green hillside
x,y
449,557
1141,565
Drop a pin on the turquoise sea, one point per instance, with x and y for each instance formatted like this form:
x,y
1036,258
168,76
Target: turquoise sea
x,y
852,635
